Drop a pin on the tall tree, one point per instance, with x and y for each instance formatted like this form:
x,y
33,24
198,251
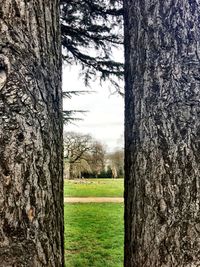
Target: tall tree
x,y
31,198
162,165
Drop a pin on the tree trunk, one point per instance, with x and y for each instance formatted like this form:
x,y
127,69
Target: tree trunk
x,y
162,129
71,171
31,186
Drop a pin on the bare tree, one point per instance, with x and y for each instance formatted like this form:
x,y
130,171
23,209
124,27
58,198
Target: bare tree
x,y
31,187
76,147
116,160
83,154
96,158
162,159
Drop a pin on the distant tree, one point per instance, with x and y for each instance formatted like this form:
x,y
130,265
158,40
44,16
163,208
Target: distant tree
x,y
105,173
76,148
96,158
162,133
84,155
116,160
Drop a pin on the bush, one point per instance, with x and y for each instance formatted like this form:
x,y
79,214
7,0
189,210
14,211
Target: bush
x,y
103,174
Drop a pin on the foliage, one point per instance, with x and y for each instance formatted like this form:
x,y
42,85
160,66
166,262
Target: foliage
x,y
104,173
94,235
94,188
90,30
69,116
107,173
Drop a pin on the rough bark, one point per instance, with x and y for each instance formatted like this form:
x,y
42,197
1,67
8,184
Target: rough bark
x,y
162,128
31,187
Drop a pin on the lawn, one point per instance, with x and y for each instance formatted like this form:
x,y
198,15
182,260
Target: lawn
x,y
94,188
94,235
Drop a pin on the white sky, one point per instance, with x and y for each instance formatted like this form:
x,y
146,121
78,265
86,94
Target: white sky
x,y
105,117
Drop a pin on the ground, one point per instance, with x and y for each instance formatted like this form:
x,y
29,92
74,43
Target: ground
x,y
94,188
94,231
93,199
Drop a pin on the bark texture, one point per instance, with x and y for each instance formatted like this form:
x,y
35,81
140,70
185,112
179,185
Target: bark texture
x,y
31,188
162,129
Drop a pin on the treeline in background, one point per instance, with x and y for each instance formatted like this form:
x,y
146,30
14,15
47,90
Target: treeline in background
x,y
86,157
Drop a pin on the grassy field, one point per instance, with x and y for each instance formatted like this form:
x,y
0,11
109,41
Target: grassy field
x,y
94,235
94,188
94,232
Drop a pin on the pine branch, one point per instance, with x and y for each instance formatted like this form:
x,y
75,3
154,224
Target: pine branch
x,y
69,94
68,115
90,29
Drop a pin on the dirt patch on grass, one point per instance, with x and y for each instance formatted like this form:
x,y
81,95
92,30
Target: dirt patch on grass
x,y
93,199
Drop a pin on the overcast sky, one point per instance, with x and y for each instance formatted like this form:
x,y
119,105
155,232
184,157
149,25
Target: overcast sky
x,y
105,117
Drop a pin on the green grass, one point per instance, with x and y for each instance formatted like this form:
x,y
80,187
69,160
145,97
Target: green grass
x,y
94,235
94,188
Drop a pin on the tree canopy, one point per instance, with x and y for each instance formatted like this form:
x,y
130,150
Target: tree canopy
x,y
83,153
88,157
90,32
